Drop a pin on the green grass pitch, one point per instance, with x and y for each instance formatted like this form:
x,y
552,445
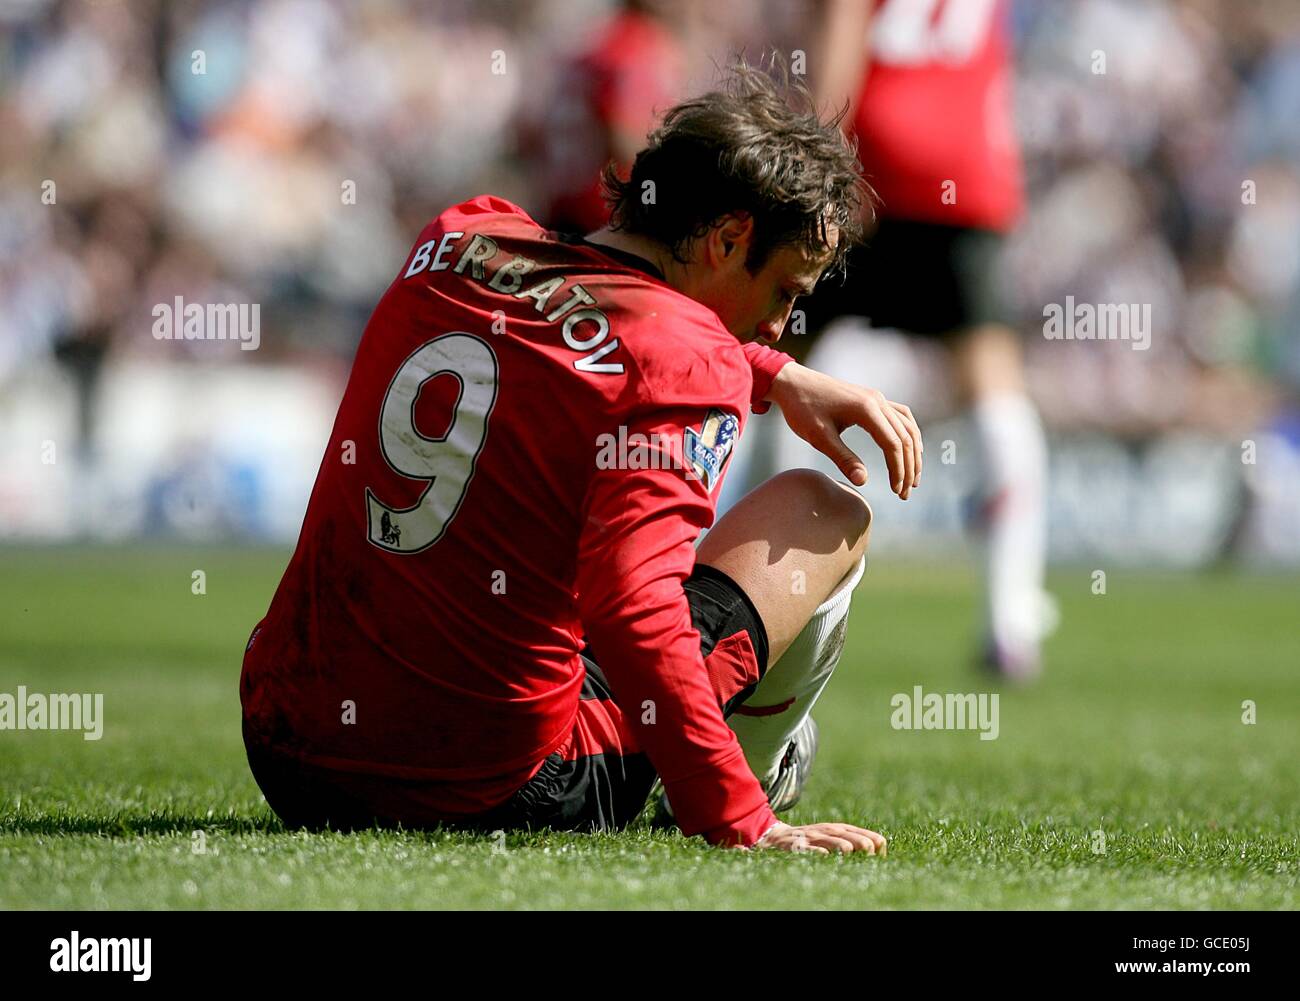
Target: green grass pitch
x,y
1136,732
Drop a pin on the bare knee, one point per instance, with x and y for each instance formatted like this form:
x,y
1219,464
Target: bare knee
x,y
789,544
860,516
839,506
856,517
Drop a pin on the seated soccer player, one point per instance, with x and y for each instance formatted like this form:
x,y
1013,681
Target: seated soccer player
x,y
497,616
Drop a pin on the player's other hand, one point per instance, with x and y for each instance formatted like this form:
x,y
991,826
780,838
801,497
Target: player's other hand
x,y
823,839
818,408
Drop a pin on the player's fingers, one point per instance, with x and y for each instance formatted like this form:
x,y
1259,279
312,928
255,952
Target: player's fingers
x,y
914,430
909,450
878,425
860,842
906,411
878,840
833,842
845,459
863,840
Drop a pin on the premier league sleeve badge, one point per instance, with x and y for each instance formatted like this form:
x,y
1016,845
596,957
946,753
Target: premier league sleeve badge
x,y
706,450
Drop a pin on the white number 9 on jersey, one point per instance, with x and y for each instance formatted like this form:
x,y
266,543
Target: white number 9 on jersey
x,y
446,463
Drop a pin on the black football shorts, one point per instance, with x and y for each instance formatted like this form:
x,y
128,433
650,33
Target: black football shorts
x,y
924,279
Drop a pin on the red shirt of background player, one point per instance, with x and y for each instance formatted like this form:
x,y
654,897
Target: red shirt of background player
x,y
935,110
606,103
454,630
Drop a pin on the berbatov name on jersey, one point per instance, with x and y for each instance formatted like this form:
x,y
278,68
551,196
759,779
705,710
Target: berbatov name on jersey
x,y
575,304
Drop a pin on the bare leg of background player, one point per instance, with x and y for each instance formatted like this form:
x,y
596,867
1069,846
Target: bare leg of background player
x,y
1012,516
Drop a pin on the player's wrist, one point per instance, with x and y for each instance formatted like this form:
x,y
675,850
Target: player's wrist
x,y
766,364
785,381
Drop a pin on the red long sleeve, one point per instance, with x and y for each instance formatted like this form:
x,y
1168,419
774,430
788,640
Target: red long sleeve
x,y
765,364
634,556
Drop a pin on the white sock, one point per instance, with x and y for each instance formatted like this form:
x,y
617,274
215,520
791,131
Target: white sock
x,y
1014,485
791,685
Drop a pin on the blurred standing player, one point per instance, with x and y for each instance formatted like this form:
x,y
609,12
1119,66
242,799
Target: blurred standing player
x,y
602,109
929,88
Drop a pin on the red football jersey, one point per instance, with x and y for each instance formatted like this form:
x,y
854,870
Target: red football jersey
x,y
472,520
934,122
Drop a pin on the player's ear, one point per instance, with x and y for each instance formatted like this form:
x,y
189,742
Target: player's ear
x,y
733,235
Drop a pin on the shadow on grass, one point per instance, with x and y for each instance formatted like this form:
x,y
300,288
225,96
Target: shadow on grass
x,y
163,823
132,824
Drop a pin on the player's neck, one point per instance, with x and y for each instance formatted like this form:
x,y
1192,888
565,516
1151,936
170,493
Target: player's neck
x,y
644,247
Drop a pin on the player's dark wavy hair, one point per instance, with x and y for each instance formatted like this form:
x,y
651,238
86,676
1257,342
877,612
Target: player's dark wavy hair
x,y
756,144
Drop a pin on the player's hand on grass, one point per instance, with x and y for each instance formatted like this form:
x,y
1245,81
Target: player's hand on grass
x,y
818,408
823,839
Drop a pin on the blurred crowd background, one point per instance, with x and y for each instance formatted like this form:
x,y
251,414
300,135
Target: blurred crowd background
x,y
286,152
